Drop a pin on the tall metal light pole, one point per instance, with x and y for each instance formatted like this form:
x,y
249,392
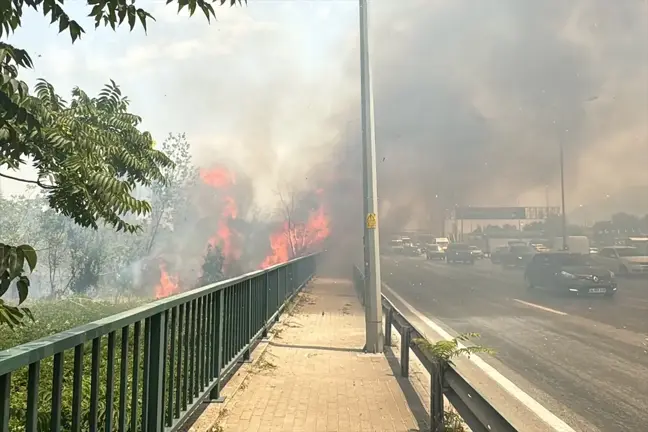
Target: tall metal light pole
x,y
562,182
373,306
562,196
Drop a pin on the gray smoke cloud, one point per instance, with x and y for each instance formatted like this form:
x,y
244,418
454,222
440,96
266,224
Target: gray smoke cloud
x,y
473,98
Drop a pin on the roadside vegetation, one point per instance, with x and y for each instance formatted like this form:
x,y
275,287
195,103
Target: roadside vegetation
x,y
51,317
443,352
55,316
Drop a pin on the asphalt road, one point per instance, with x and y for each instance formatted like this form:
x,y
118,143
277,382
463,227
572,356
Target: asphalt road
x,y
584,359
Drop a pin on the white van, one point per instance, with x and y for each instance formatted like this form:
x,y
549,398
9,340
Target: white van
x,y
443,242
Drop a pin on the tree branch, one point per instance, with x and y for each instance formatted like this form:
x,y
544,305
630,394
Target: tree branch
x,y
36,182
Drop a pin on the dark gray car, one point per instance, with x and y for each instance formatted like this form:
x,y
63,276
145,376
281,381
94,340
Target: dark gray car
x,y
569,273
459,252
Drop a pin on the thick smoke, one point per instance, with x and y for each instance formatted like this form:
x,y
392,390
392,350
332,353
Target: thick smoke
x,y
471,102
473,98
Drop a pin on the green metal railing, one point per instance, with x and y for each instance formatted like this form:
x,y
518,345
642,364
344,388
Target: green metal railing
x,y
149,368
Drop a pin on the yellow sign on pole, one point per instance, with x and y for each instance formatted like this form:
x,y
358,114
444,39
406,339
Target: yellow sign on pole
x,y
371,221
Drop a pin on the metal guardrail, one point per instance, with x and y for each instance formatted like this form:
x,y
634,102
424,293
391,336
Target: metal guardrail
x,y
472,407
190,342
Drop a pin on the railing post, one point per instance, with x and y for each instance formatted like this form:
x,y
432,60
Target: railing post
x,y
266,306
290,279
247,354
156,374
215,395
388,325
405,347
436,398
279,301
5,393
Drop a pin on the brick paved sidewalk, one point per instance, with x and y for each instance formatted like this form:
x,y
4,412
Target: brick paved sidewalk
x,y
313,376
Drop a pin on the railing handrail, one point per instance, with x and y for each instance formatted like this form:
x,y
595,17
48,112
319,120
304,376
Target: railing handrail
x,y
30,352
470,404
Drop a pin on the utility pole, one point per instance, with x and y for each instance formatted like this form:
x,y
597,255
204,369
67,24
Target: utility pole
x,y
373,304
562,195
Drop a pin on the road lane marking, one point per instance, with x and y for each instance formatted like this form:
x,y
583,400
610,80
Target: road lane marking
x,y
533,305
543,413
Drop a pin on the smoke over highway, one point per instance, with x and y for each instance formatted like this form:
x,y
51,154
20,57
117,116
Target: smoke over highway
x,y
472,99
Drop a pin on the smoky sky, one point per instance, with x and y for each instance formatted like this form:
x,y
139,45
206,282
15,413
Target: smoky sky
x,y
473,98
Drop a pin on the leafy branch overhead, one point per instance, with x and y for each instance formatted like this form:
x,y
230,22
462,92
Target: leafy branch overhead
x,y
89,156
12,264
89,153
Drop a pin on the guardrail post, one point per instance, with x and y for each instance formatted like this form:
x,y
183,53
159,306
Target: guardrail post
x,y
405,348
156,374
388,325
436,398
215,395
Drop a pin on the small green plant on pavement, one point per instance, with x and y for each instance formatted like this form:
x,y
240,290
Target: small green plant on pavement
x,y
452,422
443,352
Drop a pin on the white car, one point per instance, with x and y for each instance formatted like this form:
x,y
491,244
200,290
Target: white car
x,y
476,252
623,260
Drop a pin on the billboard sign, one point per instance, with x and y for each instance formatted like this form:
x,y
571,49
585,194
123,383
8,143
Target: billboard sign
x,y
490,213
505,213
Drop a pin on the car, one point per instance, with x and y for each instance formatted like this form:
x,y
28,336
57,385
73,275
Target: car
x,y
625,260
459,252
569,273
434,251
496,255
517,255
411,250
476,252
396,246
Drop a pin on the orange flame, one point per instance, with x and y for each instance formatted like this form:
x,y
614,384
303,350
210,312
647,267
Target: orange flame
x,y
218,178
222,179
168,284
293,241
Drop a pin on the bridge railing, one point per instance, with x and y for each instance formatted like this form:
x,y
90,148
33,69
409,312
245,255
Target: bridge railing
x,y
149,368
445,380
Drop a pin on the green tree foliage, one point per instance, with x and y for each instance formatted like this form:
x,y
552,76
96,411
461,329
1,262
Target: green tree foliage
x,y
89,154
16,114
